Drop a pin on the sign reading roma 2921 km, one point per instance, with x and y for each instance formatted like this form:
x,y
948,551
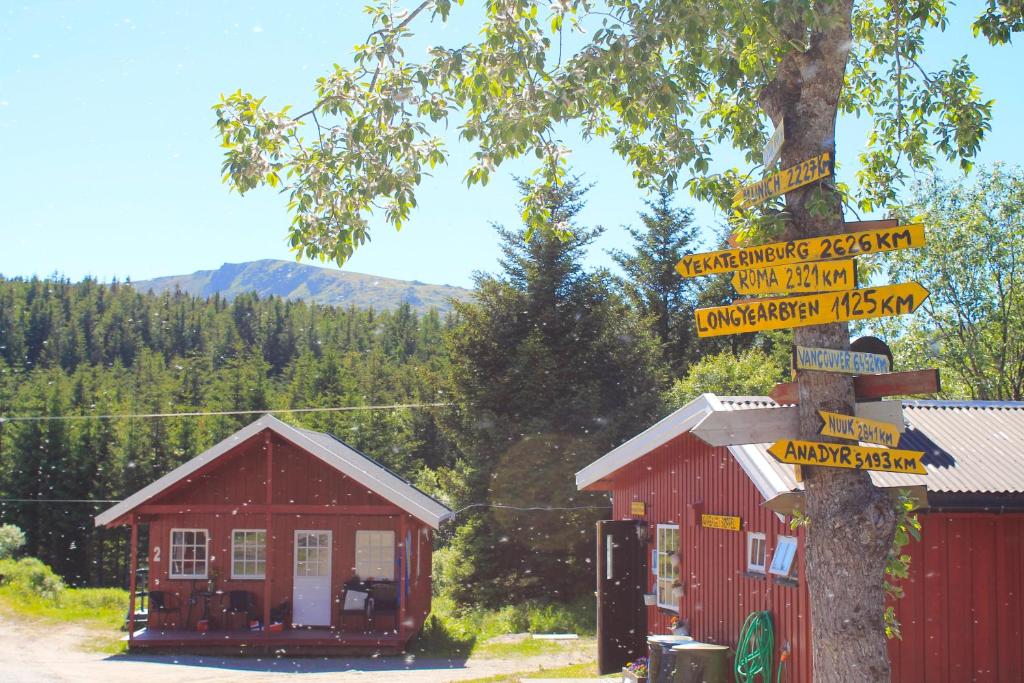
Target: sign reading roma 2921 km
x,y
802,251
847,456
810,309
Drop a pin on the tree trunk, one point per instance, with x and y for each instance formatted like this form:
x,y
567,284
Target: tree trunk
x,y
852,523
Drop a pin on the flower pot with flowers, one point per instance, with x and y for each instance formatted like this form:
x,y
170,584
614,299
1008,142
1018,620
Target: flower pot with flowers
x,y
635,672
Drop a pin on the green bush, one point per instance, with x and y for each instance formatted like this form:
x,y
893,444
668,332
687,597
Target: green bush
x,y
32,577
11,538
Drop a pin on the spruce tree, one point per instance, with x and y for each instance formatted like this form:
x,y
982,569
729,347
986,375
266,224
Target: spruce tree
x,y
652,285
551,369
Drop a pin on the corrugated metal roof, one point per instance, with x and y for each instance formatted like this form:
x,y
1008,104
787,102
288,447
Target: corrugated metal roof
x,y
969,446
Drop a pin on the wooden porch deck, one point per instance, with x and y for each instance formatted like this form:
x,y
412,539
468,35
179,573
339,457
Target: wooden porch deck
x,y
297,641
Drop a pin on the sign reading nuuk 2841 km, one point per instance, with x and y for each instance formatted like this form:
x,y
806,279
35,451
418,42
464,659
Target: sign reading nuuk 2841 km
x,y
848,456
801,251
810,309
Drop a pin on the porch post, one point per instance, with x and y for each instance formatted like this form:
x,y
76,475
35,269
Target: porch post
x,y
268,566
402,587
131,578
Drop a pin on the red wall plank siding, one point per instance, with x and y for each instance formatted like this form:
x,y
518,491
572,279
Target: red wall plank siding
x,y
719,595
299,478
962,615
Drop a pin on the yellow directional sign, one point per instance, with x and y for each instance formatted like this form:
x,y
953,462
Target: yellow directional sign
x,y
848,456
836,360
801,251
810,309
720,522
825,276
784,181
859,429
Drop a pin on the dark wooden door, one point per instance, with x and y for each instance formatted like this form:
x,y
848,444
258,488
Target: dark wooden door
x,y
621,579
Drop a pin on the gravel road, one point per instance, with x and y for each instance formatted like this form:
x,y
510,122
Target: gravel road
x,y
37,653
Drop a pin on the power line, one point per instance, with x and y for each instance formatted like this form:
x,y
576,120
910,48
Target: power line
x,y
213,413
534,508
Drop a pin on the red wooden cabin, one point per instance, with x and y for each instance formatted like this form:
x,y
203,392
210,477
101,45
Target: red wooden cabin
x,y
281,537
962,615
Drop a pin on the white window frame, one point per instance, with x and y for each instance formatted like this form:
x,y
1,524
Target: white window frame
x,y
236,547
206,554
362,562
784,557
665,579
752,566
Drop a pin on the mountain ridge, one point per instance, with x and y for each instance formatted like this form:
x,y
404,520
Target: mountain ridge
x,y
299,281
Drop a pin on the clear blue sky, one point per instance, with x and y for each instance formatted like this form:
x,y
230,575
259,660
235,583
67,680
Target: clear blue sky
x,y
109,166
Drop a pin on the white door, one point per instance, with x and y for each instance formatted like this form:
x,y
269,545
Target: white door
x,y
311,594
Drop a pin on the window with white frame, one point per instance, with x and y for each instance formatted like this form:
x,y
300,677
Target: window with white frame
x,y
667,567
248,553
188,553
756,552
783,562
375,554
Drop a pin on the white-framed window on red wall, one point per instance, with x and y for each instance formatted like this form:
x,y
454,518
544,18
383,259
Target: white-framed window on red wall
x,y
757,551
189,553
248,553
784,560
667,570
375,554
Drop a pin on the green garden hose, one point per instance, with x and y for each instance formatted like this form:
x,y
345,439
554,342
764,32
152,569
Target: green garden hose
x,y
755,649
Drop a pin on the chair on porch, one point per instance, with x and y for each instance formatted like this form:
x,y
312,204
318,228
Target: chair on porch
x,y
383,600
354,600
240,602
160,604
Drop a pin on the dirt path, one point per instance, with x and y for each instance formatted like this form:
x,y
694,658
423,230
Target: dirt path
x,y
43,653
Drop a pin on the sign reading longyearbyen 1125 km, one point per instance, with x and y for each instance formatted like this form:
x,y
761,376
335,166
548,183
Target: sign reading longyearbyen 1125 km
x,y
801,251
823,276
810,309
848,456
784,181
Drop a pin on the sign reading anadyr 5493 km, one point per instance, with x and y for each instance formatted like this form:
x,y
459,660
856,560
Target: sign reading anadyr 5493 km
x,y
801,251
848,456
804,173
810,309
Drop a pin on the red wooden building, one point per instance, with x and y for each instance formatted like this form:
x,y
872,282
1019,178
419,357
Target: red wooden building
x,y
281,537
680,500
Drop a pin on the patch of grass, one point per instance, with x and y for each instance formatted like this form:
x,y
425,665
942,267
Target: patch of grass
x,y
452,630
523,648
584,670
97,606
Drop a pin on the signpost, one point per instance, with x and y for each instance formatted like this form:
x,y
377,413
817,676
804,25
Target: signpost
x,y
771,151
720,522
802,251
828,276
859,429
867,387
784,181
848,456
765,425
810,309
836,360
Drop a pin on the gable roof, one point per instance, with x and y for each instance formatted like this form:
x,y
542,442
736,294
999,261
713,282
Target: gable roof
x,y
331,450
971,447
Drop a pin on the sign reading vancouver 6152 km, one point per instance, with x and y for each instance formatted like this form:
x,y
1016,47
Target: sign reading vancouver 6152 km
x,y
810,309
801,251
